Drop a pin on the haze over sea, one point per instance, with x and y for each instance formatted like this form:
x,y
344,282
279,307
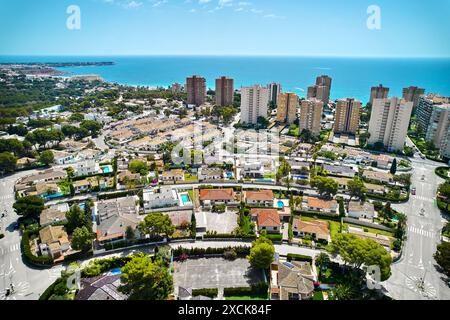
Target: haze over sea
x,y
352,77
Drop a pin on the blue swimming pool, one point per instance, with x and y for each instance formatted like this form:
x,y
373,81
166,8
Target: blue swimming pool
x,y
116,271
280,204
185,198
107,169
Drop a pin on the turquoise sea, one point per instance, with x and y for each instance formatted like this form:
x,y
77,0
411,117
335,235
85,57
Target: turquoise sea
x,y
352,77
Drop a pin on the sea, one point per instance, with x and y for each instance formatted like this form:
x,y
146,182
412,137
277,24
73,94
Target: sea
x,y
352,77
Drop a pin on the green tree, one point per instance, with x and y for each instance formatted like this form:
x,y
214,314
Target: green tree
x,y
357,188
82,239
156,224
327,187
7,162
322,261
344,291
30,206
76,117
129,233
92,126
262,253
77,218
144,280
138,166
46,157
393,169
442,257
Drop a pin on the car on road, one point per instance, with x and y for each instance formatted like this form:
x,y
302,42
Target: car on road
x,y
413,191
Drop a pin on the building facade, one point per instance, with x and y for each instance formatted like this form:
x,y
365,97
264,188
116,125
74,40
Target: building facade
x,y
196,90
310,115
224,91
287,107
321,90
412,94
274,91
389,122
254,103
425,109
379,92
347,116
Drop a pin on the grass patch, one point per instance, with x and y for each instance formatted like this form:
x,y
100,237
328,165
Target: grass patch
x,y
318,295
248,297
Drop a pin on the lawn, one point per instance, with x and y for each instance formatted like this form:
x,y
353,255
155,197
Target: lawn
x,y
65,187
318,295
189,177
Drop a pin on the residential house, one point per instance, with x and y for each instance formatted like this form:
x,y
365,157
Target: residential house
x,y
359,210
52,215
210,197
316,229
54,241
253,170
260,197
126,177
382,177
161,198
173,175
101,288
85,185
343,171
180,219
210,174
87,168
312,204
49,175
266,219
63,157
291,281
25,162
375,188
114,216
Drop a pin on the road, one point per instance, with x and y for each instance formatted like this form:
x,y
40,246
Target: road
x,y
27,282
414,276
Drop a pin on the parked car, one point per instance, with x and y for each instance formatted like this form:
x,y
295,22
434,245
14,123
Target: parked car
x,y
413,191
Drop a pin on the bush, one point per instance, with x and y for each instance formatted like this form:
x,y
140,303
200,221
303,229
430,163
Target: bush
x,y
207,292
298,257
99,266
255,289
41,261
2,235
227,236
274,236
51,289
180,251
230,254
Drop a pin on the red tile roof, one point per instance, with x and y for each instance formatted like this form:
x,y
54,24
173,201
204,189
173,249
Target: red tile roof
x,y
260,195
216,194
266,217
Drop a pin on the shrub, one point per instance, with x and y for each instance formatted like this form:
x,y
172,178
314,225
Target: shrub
x,y
255,289
230,254
99,266
274,236
180,251
2,235
42,261
207,292
298,257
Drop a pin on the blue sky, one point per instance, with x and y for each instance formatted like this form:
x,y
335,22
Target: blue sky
x,y
409,28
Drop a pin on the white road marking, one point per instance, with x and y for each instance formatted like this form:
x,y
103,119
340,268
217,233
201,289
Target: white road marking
x,y
421,231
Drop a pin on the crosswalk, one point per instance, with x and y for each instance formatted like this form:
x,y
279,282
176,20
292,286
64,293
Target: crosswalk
x,y
422,198
10,248
421,231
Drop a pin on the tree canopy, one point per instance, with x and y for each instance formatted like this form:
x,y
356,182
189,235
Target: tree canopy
x,y
29,206
327,187
156,224
262,253
82,239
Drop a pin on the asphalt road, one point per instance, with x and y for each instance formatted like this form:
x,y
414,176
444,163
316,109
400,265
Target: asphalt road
x,y
27,282
415,276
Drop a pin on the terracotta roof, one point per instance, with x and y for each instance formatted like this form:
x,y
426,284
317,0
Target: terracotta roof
x,y
216,194
266,217
261,195
315,226
319,203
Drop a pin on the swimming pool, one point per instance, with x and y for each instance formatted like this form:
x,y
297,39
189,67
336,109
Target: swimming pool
x,y
116,271
107,169
185,199
280,204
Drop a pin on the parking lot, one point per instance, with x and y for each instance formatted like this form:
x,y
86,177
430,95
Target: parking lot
x,y
215,273
221,222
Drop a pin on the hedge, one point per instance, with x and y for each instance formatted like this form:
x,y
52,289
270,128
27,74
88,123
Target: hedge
x,y
274,236
387,198
298,257
228,236
127,243
240,251
100,266
41,261
440,171
329,216
49,291
207,292
254,289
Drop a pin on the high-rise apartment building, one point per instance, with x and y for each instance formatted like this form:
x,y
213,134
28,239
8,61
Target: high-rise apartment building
x,y
412,94
275,90
254,103
175,87
321,90
438,126
287,107
224,91
389,122
196,90
310,115
346,118
379,92
425,109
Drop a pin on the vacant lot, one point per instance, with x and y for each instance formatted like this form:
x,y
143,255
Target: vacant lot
x,y
221,222
215,273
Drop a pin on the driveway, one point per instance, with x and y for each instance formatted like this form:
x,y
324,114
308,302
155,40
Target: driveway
x,y
215,273
221,222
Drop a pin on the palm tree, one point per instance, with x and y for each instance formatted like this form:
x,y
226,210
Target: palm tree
x,y
322,260
344,292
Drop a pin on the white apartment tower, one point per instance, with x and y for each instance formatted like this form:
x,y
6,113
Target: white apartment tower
x,y
389,122
254,103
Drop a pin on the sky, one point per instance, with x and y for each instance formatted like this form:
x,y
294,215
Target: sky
x,y
407,28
